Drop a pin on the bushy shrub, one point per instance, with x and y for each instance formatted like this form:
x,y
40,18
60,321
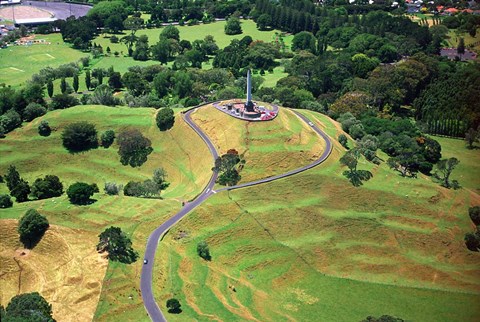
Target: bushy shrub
x,y
111,188
32,111
79,136
10,121
107,138
203,251
48,187
165,118
79,193
5,201
44,128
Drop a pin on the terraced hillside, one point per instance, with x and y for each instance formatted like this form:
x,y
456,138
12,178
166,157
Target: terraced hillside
x,y
179,151
314,248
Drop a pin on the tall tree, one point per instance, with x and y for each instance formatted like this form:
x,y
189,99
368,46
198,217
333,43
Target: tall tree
x,y
75,83
50,88
63,85
88,79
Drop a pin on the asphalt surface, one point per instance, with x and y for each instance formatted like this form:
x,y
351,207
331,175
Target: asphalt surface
x,y
151,306
61,10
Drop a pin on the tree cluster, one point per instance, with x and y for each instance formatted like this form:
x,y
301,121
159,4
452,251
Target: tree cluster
x,y
18,187
149,188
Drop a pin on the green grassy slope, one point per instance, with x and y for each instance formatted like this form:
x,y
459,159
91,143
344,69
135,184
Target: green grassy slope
x,y
314,248
178,150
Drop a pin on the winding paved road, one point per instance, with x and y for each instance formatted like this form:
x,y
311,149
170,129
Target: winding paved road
x,y
146,276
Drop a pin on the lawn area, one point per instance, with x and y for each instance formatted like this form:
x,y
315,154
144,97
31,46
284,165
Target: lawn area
x,y
19,63
78,279
314,248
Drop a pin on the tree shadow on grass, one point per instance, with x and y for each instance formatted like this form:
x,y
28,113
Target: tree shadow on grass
x,y
32,241
175,311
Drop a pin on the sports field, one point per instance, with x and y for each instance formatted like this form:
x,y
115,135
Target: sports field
x,y
19,63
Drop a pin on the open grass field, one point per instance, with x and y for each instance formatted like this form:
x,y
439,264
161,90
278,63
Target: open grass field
x,y
269,148
19,63
314,248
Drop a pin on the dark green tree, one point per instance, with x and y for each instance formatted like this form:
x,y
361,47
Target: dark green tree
x,y
203,251
133,147
474,213
115,81
107,138
173,306
28,307
63,85
12,178
461,46
5,201
62,101
44,128
264,21
31,228
21,191
88,79
75,83
79,136
170,32
304,41
472,240
233,27
48,187
50,88
226,165
165,119
342,139
383,318
118,246
79,193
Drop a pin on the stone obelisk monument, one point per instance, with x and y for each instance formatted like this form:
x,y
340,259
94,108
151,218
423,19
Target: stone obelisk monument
x,y
249,104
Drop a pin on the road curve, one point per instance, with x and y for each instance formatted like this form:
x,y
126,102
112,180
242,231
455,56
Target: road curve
x,y
151,306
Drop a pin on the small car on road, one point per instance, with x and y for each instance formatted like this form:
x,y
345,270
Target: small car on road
x,y
145,261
